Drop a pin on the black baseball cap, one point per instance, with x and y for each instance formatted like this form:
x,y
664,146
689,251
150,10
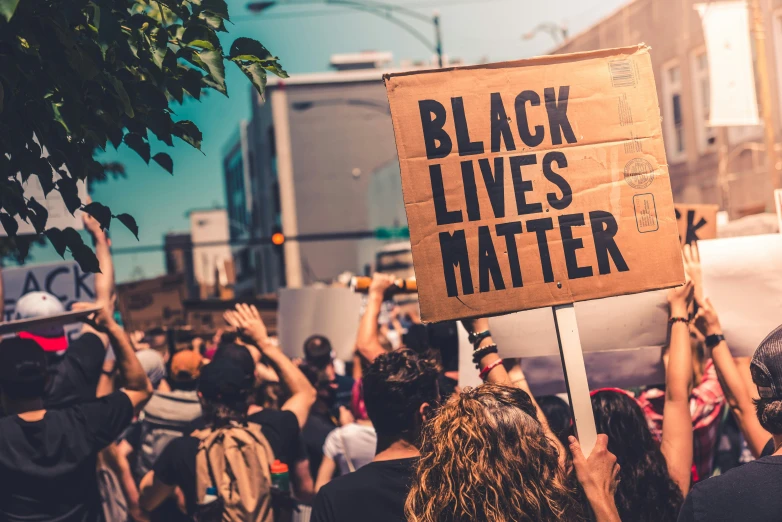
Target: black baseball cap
x,y
766,366
225,381
238,354
23,367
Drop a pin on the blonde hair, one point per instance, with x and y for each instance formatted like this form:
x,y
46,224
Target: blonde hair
x,y
485,457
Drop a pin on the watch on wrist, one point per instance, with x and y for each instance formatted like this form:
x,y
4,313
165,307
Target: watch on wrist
x,y
714,339
476,338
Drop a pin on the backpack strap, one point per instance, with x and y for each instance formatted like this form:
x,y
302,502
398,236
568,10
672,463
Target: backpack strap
x,y
208,439
257,437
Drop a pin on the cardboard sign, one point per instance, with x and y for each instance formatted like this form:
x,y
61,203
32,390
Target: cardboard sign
x,y
68,318
696,222
535,183
743,278
64,280
331,312
152,302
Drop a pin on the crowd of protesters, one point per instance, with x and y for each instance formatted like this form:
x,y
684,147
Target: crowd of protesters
x,y
129,427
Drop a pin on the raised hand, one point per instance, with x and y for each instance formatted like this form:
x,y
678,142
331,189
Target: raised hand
x,y
707,320
692,267
101,320
248,320
380,284
680,298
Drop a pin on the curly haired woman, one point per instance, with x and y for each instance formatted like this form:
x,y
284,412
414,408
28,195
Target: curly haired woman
x,y
487,456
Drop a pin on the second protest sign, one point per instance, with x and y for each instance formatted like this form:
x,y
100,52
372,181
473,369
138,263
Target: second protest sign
x,y
535,183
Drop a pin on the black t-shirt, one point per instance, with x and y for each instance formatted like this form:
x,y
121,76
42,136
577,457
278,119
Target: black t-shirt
x,y
281,429
749,493
176,465
48,467
375,492
314,434
73,376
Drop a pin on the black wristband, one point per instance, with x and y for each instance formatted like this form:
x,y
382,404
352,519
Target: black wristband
x,y
480,353
713,340
476,338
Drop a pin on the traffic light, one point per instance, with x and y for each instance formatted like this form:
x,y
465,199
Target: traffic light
x,y
278,239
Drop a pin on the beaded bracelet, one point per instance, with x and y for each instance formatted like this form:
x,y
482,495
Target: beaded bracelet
x,y
673,320
489,368
480,353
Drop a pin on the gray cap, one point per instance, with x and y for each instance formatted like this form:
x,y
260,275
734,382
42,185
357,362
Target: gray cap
x,y
153,364
766,366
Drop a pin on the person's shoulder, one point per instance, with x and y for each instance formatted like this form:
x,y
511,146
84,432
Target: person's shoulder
x,y
184,447
274,417
367,477
87,340
738,475
117,401
344,485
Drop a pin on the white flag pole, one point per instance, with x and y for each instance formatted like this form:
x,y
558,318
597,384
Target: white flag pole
x,y
575,375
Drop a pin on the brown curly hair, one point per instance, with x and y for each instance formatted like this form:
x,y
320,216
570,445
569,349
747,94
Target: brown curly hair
x,y
485,457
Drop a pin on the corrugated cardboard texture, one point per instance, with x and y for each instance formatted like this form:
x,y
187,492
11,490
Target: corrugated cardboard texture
x,y
592,132
696,222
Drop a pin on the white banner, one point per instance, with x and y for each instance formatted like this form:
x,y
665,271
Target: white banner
x,y
65,280
743,278
623,337
331,312
731,74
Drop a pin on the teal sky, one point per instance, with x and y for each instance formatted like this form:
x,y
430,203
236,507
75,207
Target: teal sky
x,y
304,37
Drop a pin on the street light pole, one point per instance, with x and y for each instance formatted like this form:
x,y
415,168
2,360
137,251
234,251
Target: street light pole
x,y
759,34
386,11
438,42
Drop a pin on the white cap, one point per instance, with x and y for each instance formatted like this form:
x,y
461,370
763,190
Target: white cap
x,y
38,304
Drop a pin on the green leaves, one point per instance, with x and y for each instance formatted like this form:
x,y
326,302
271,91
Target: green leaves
x,y
188,132
79,75
247,49
129,222
37,215
202,36
7,8
164,160
69,239
137,143
255,60
9,224
214,65
100,212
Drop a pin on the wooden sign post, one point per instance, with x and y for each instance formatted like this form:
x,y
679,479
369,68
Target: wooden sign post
x,y
536,183
575,375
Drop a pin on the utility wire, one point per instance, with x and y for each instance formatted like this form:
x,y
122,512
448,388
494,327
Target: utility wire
x,y
336,9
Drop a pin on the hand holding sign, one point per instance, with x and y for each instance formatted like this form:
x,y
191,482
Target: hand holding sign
x,y
101,320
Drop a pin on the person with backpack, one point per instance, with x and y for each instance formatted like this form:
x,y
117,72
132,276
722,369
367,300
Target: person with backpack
x,y
168,415
227,462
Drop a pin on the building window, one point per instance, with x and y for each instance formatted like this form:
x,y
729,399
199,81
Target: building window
x,y
704,134
673,117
